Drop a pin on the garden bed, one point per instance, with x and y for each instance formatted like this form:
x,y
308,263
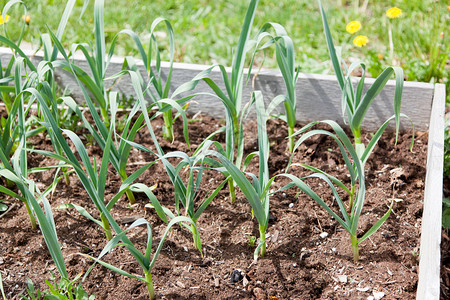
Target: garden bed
x,y
301,261
227,248
308,256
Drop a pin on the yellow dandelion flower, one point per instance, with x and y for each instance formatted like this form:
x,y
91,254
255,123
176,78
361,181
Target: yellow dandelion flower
x,y
393,12
353,27
5,20
27,19
360,40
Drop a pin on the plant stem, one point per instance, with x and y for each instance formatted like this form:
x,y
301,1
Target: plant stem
x,y
236,131
6,98
168,126
1,287
105,116
355,249
356,3
66,176
149,282
391,43
291,139
235,138
357,136
106,227
130,197
352,198
359,146
232,189
66,179
197,240
262,239
129,193
30,214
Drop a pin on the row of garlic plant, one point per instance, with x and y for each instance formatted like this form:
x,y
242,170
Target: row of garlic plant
x,y
151,92
93,180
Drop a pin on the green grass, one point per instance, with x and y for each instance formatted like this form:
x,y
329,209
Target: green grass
x,y
206,31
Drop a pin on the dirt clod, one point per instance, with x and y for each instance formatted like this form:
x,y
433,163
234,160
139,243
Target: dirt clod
x,y
259,293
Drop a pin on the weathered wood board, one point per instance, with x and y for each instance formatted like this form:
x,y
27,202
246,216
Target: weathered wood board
x,y
318,96
430,240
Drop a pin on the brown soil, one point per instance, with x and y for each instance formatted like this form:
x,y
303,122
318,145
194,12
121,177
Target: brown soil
x,y
300,264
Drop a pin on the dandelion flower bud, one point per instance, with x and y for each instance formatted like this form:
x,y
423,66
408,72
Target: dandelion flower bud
x,y
27,19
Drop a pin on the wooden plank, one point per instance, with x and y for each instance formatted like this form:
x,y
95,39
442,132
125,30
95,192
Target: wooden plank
x,y
318,96
430,240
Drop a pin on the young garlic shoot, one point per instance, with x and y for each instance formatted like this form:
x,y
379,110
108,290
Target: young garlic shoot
x,y
145,260
94,183
93,180
185,194
96,94
285,56
232,97
355,103
256,191
355,166
154,87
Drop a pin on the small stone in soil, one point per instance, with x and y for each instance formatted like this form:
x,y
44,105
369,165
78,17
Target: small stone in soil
x,y
291,205
378,295
272,219
245,281
323,235
236,276
259,293
342,278
275,236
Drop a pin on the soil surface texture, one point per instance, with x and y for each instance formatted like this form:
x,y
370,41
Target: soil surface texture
x,y
308,255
